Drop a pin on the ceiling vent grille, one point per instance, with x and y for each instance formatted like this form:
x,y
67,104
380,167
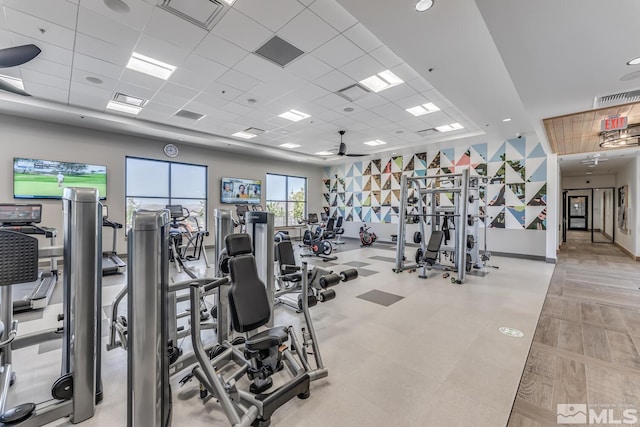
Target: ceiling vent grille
x,y
202,13
278,51
617,99
186,114
428,132
353,92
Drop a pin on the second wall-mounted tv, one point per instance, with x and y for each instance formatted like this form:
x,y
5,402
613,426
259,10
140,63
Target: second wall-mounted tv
x,y
46,179
238,190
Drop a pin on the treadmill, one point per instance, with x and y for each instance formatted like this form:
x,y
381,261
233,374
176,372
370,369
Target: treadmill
x,y
111,262
24,218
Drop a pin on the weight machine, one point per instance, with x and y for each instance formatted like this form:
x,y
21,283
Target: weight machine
x,y
433,216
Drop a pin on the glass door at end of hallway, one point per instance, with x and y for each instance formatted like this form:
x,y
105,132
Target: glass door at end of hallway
x,y
578,213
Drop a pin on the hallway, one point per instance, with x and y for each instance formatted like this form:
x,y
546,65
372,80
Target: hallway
x,y
586,348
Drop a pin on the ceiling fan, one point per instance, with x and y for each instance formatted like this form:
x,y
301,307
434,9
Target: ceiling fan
x,y
14,56
593,161
342,151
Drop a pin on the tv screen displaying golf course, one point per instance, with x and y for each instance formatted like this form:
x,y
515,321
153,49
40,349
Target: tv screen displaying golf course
x,y
46,179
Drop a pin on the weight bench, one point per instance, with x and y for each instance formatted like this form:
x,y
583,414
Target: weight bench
x,y
433,247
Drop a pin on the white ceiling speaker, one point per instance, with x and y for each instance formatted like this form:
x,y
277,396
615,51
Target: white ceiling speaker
x,y
424,5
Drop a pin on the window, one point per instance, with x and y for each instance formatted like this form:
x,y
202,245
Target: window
x,y
286,198
153,184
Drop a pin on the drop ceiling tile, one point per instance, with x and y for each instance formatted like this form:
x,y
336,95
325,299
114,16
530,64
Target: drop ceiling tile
x,y
3,22
80,76
329,115
305,94
334,81
365,117
157,110
264,93
420,84
137,17
433,95
170,100
81,89
178,91
160,50
405,72
413,124
102,50
96,66
220,50
29,26
58,12
104,28
412,101
370,101
338,51
332,101
49,93
307,31
362,37
268,72
273,14
222,115
189,79
257,117
390,111
49,52
5,37
308,67
142,80
241,30
47,67
219,93
306,2
44,79
87,100
398,92
236,108
386,57
237,80
209,70
361,68
334,14
177,31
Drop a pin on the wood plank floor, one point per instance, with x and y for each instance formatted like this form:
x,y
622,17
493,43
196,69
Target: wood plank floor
x,y
586,348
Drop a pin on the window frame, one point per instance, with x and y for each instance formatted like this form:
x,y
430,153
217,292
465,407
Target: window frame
x,y
287,202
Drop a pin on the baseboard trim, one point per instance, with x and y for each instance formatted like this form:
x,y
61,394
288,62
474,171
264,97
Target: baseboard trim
x,y
627,251
523,256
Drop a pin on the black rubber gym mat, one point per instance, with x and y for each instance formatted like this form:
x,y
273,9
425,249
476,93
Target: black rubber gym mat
x,y
380,297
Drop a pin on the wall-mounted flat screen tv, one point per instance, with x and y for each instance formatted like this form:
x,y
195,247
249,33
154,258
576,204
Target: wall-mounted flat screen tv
x,y
237,190
46,179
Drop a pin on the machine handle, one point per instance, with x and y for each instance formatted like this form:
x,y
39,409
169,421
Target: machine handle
x,y
215,284
12,334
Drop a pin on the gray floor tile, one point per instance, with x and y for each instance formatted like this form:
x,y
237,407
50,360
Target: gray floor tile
x,y
356,264
380,297
366,273
383,258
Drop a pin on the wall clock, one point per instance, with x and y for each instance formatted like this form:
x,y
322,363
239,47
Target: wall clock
x,y
171,150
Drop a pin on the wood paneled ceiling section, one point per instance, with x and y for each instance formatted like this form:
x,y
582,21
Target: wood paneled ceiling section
x,y
580,132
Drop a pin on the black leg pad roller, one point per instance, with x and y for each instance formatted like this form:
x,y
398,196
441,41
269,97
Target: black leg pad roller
x,y
327,295
349,274
330,280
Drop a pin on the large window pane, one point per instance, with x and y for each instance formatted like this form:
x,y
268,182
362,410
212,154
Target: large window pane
x,y
134,203
197,212
297,188
276,187
188,181
147,178
279,210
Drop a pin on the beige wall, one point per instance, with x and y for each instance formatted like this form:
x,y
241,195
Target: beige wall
x,y
42,140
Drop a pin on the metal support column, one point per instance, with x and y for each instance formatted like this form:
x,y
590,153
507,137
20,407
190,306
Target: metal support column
x,y
148,390
461,227
223,227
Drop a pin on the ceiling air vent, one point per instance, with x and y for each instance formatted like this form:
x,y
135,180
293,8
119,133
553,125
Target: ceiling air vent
x,y
203,13
278,51
617,99
353,92
186,114
427,132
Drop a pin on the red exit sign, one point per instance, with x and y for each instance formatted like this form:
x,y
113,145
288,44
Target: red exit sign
x,y
613,123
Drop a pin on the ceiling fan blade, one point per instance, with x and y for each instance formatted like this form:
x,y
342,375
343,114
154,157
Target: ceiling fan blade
x,y
356,155
11,88
343,149
18,55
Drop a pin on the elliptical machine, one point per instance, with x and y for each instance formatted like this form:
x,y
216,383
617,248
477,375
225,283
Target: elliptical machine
x,y
367,237
314,241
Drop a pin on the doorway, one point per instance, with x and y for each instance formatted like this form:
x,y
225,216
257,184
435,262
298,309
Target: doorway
x,y
578,218
603,227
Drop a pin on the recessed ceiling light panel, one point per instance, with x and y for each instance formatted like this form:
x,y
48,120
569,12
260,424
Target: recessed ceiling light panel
x,y
123,108
374,142
243,135
381,81
129,100
150,66
449,128
323,153
289,145
421,110
424,5
508,119
294,115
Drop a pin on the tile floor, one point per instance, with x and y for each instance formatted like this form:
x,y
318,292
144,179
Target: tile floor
x,y
433,358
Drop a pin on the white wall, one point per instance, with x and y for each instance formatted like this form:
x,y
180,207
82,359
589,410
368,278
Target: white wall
x,y
43,140
628,175
552,235
588,181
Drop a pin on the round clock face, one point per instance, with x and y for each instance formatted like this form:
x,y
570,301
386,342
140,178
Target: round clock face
x,y
170,150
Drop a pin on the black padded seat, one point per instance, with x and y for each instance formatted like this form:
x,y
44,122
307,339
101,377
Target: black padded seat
x,y
267,339
329,231
433,247
286,257
338,230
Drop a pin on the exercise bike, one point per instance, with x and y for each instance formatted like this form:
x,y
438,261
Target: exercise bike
x,y
367,237
315,242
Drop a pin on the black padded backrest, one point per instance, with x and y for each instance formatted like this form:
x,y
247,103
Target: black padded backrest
x,y
313,218
330,224
285,254
18,258
248,300
435,241
238,244
339,223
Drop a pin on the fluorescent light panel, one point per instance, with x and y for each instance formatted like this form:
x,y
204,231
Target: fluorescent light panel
x,y
129,100
374,142
14,81
229,2
381,81
123,108
289,145
421,110
294,115
449,128
244,135
150,66
323,153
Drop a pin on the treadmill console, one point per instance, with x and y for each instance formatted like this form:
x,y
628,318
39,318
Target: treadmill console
x,y
20,214
175,211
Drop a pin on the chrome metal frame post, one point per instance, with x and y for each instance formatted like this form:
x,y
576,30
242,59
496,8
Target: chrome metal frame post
x,y
260,228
